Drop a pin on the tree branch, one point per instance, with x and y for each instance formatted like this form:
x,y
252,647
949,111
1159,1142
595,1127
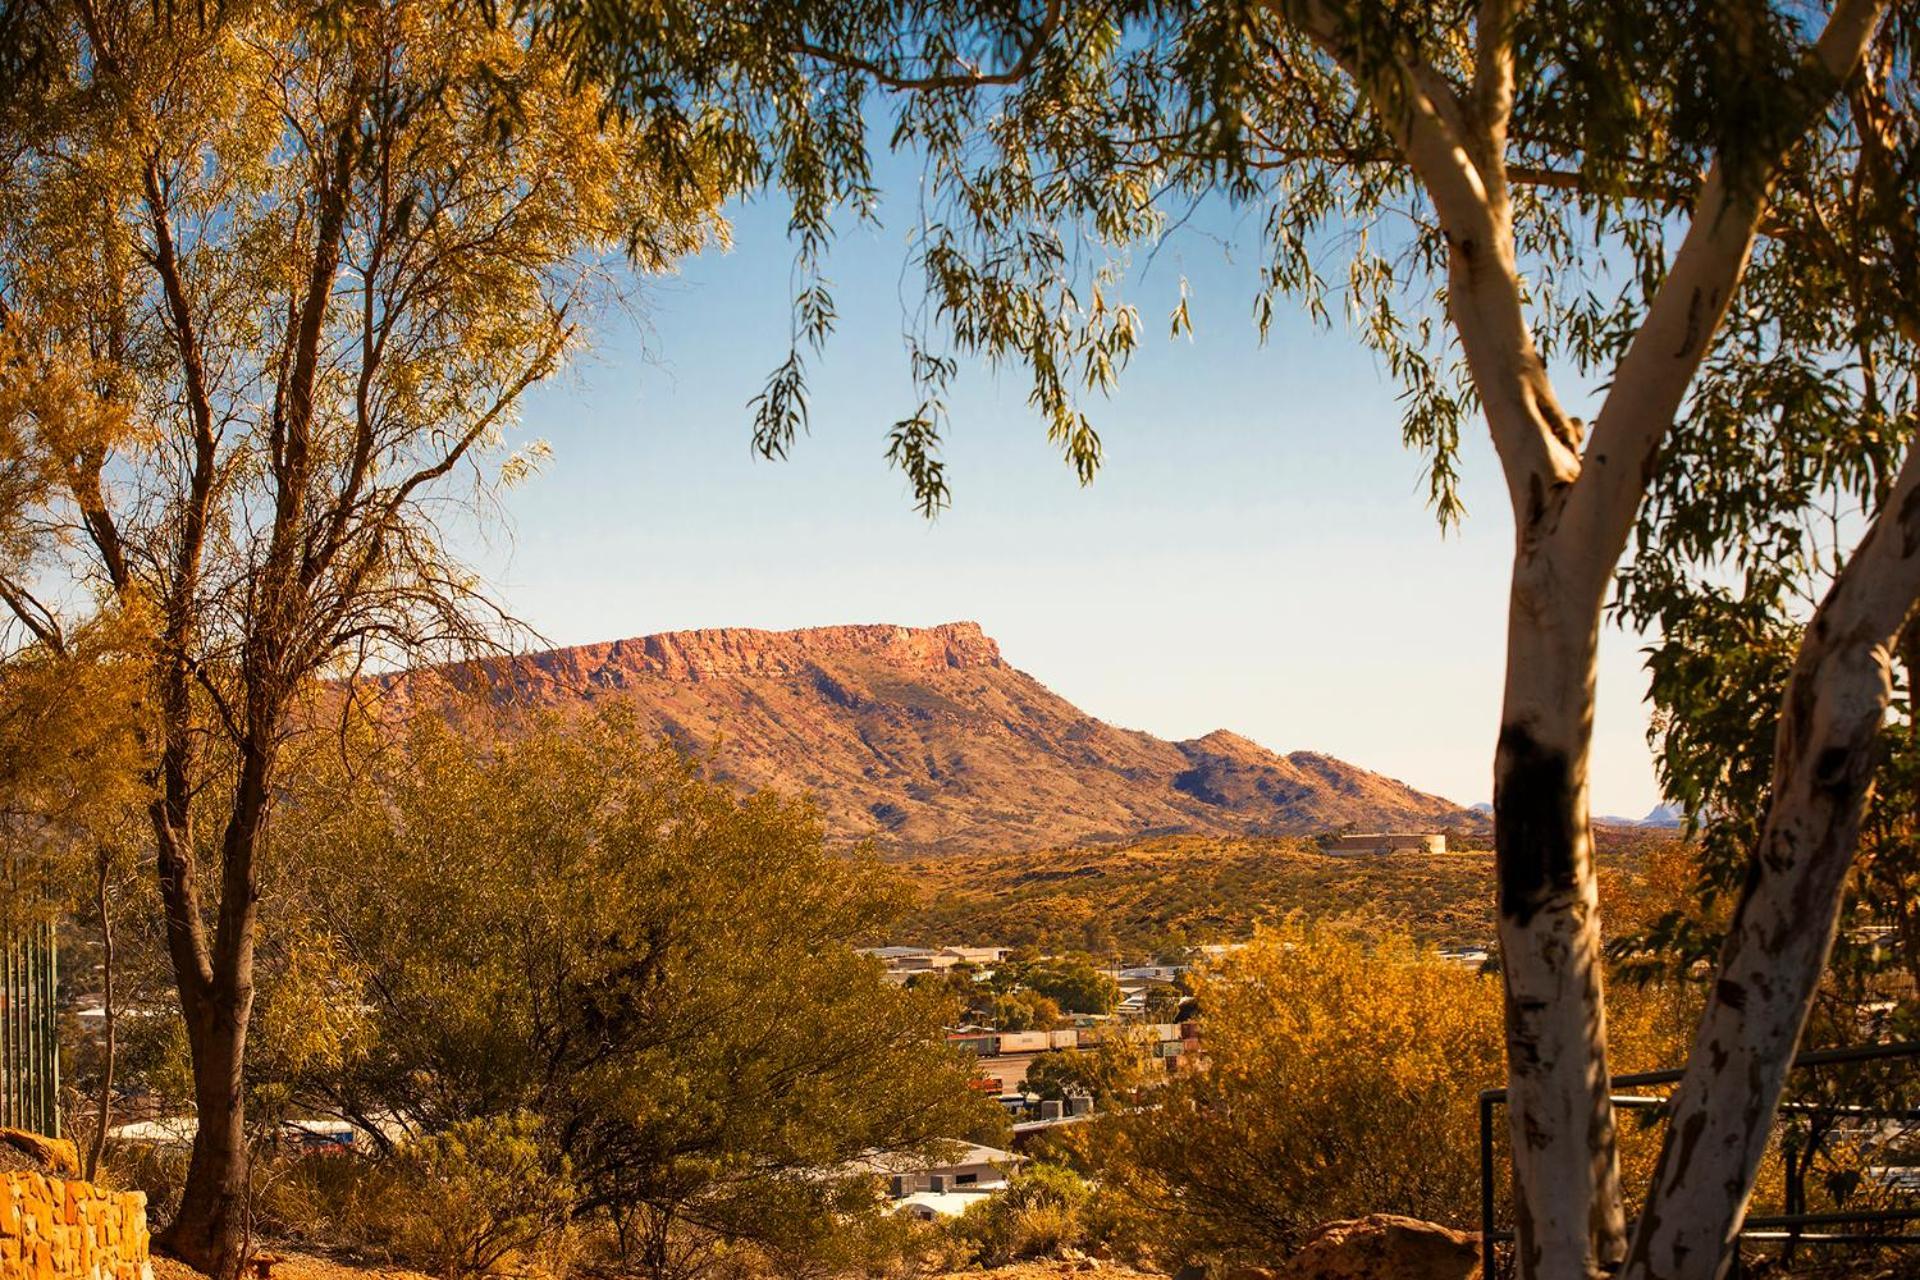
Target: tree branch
x,y
970,78
1536,441
1652,378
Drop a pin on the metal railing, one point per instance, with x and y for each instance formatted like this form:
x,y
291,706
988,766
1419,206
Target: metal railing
x,y
1786,1228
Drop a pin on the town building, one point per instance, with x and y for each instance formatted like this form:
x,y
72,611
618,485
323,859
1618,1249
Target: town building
x,y
1386,842
929,1190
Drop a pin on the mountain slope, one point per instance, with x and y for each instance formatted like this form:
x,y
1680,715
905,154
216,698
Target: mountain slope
x,y
926,739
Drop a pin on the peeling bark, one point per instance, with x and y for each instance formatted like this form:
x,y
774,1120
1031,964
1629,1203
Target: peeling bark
x,y
1569,1222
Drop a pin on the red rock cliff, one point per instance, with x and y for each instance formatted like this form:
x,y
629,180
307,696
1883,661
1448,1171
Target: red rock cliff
x,y
925,738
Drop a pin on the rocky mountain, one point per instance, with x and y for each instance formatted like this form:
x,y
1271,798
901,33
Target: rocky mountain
x,y
927,739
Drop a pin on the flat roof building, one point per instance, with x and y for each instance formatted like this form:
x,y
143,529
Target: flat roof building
x,y
1387,842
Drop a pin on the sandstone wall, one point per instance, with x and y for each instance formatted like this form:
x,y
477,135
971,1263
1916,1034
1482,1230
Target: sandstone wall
x,y
54,1228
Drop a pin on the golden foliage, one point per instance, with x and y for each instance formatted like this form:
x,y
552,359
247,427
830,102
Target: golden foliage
x,y
1341,1075
1340,1079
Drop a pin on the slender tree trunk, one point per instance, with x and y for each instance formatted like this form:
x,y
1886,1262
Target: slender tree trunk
x,y
102,870
209,1230
1788,915
1568,1216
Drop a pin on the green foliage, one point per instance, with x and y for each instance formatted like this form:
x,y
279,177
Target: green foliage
x,y
1787,449
573,925
1071,982
1111,1072
1041,1211
1025,1011
480,1197
1054,138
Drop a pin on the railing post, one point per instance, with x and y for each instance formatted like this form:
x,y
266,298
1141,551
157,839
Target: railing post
x,y
29,999
1486,1187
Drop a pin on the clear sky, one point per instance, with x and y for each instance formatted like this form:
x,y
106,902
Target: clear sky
x,y
1257,553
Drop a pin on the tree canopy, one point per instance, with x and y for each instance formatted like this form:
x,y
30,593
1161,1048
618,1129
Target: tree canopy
x,y
273,280
572,925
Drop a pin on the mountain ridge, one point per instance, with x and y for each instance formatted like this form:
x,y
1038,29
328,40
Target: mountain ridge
x,y
927,739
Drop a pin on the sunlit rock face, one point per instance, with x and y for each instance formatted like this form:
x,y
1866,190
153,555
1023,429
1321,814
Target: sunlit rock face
x,y
927,739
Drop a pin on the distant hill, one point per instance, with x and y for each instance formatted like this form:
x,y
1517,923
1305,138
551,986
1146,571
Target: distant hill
x,y
1663,817
928,740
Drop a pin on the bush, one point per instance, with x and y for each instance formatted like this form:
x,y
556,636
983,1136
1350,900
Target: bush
x,y
329,1198
1340,1080
481,1198
1041,1212
568,921
1110,1073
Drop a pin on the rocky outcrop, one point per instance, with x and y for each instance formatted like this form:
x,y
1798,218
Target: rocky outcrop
x,y
1384,1246
925,738
723,652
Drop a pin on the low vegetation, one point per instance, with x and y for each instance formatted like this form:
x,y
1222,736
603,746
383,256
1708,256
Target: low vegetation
x,y
1341,1078
578,1002
1162,896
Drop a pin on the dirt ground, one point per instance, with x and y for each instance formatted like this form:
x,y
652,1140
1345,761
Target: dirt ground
x,y
294,1266
1055,1271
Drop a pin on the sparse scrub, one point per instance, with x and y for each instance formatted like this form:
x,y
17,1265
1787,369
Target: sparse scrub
x,y
1042,1212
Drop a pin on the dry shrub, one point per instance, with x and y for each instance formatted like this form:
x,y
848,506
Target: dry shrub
x,y
1041,1212
1340,1078
482,1198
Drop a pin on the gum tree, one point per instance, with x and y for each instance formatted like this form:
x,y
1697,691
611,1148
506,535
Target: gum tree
x,y
1775,557
273,280
1524,187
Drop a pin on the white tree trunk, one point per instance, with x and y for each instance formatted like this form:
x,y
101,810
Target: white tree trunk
x,y
1568,1219
1573,512
1789,911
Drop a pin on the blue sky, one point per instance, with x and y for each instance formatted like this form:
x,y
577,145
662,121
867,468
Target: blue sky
x,y
1257,553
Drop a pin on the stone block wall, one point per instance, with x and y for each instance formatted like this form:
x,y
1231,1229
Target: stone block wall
x,y
54,1228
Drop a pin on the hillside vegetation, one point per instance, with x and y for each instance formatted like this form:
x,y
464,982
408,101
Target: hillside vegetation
x,y
1164,894
1161,895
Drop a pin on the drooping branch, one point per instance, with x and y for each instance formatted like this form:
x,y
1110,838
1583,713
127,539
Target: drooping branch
x,y
1458,156
968,78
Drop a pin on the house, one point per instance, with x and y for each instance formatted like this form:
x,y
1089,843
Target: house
x,y
980,957
1150,973
1387,842
1049,1114
940,1189
903,963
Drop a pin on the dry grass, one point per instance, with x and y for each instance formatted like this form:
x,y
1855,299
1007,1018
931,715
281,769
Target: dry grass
x,y
1159,894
